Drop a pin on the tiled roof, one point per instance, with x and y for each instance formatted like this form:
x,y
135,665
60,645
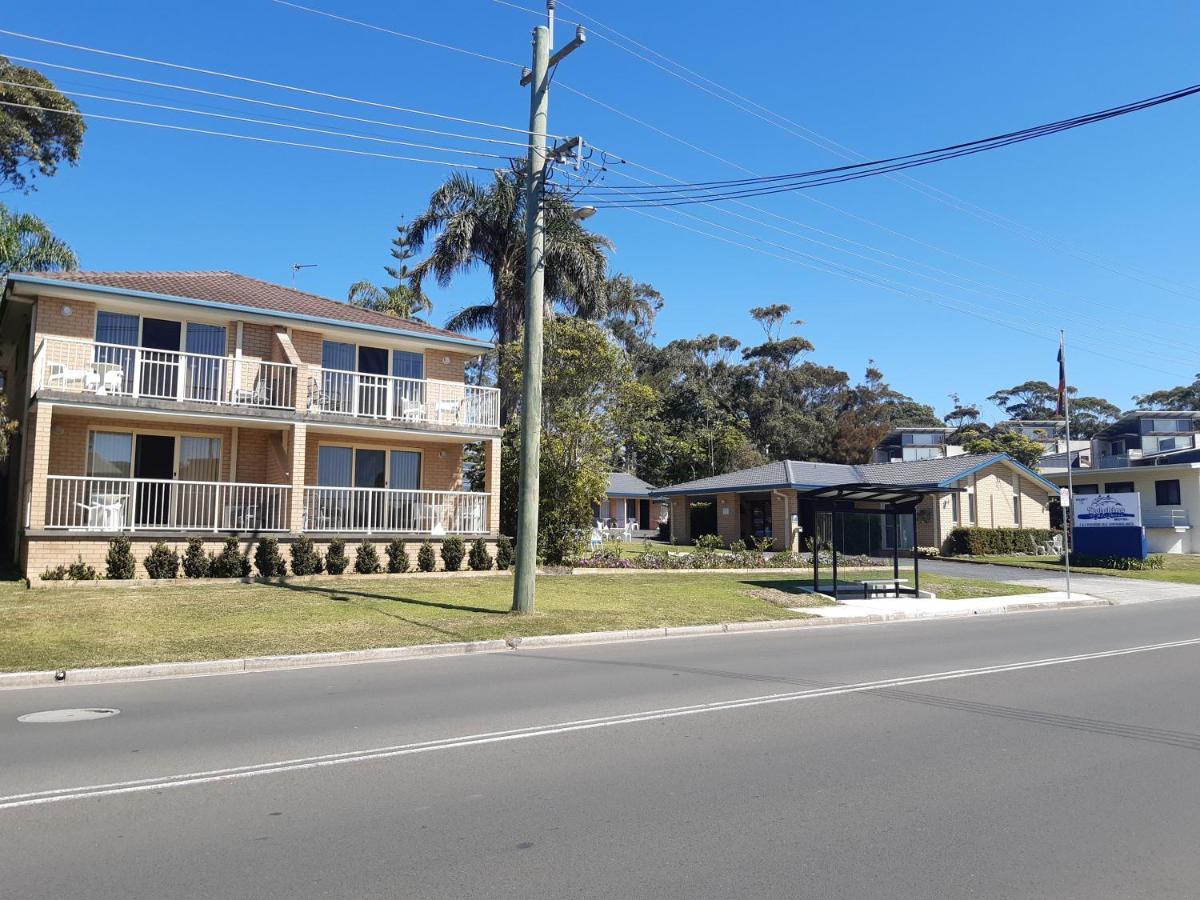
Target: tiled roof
x,y
232,289
625,485
802,475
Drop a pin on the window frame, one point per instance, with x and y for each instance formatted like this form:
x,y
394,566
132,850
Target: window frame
x,y
1158,492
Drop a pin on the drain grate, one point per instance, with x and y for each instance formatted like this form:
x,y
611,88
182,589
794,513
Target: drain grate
x,y
63,716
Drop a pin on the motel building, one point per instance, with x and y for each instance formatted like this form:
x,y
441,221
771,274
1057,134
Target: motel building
x,y
172,405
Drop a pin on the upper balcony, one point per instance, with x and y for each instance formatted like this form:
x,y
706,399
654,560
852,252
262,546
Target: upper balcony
x,y
116,372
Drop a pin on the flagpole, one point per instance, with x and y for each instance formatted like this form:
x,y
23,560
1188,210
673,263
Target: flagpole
x,y
1069,511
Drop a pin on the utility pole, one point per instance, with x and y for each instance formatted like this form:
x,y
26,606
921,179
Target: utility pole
x,y
524,584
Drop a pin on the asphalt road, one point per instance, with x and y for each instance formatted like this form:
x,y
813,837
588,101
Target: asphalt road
x,y
1107,587
1024,755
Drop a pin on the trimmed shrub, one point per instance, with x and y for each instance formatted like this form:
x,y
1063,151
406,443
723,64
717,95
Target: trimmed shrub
x,y
230,562
366,559
305,558
161,562
81,571
426,561
58,573
268,560
335,557
664,531
504,552
397,557
453,551
196,563
1122,563
119,562
710,542
479,559
995,541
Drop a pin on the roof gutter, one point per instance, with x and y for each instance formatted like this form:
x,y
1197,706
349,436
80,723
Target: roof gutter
x,y
479,345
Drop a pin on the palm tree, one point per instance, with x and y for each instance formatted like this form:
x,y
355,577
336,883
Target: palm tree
x,y
394,300
28,245
400,299
469,225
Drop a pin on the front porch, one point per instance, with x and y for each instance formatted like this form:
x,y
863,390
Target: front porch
x,y
91,475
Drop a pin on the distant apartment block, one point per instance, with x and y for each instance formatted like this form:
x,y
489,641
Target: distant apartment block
x,y
915,443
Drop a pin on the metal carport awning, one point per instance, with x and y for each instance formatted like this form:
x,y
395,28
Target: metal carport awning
x,y
896,499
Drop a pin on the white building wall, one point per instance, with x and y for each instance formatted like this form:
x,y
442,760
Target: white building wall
x,y
1160,539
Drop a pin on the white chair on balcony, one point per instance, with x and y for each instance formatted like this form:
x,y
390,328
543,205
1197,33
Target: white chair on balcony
x,y
60,375
412,410
104,513
259,395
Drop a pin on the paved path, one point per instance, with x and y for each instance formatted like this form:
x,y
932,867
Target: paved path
x,y
1106,587
853,608
1050,754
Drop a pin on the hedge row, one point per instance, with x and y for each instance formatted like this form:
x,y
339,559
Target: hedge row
x,y
165,562
996,541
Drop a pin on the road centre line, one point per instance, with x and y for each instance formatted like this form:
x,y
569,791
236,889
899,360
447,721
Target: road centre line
x,y
212,776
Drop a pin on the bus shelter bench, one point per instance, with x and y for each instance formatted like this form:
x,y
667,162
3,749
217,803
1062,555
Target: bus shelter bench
x,y
876,586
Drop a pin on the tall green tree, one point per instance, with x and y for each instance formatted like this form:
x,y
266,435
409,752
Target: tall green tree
x,y
1028,400
39,127
28,245
590,398
399,299
1182,397
1023,449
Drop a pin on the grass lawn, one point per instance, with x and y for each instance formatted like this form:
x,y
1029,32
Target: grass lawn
x,y
78,627
1178,567
947,587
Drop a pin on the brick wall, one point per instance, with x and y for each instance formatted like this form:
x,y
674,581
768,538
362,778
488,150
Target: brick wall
x,y
681,527
453,370
51,322
729,527
69,437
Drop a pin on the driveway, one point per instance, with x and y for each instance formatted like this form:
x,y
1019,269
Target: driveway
x,y
1106,587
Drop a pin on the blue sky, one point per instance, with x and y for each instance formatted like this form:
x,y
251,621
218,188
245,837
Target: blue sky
x,y
881,78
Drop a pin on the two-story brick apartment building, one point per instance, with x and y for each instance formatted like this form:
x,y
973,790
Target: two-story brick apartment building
x,y
166,405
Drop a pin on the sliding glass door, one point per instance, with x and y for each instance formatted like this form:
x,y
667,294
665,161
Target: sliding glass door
x,y
205,369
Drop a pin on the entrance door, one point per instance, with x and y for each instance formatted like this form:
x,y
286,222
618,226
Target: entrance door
x,y
153,458
372,383
369,472
160,358
644,515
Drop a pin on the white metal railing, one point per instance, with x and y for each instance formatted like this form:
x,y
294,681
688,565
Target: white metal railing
x,y
427,401
369,510
89,367
83,503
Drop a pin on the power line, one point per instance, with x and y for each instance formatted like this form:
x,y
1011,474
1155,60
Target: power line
x,y
987,289
711,191
832,146
264,83
880,281
394,33
284,106
247,137
268,122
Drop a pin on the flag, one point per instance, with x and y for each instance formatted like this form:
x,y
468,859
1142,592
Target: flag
x,y
1061,409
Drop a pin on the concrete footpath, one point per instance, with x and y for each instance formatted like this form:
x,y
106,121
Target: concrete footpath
x,y
893,608
1113,588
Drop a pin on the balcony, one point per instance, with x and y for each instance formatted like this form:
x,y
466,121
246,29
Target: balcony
x,y
115,370
1120,460
388,511
114,505
1170,518
391,398
95,370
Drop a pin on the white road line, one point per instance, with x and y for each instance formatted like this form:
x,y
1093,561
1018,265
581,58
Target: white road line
x,y
39,798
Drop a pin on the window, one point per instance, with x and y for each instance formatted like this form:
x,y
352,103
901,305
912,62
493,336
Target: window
x,y
954,508
199,458
972,509
1016,485
1166,493
405,471
1118,487
116,328
338,356
406,364
335,466
109,454
1086,489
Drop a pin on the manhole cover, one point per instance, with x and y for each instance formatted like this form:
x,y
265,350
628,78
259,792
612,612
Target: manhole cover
x,y
59,716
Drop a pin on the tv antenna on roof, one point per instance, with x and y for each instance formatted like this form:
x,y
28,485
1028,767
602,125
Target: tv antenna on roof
x,y
296,267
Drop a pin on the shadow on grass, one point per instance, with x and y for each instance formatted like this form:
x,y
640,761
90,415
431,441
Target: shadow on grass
x,y
334,593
